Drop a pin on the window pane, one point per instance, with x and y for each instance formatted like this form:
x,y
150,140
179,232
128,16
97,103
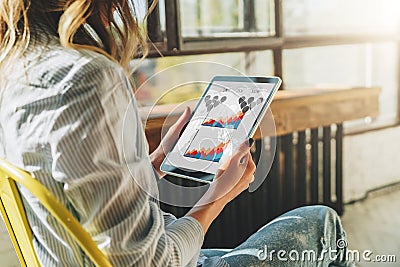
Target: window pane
x,y
139,8
161,6
259,63
177,79
319,17
347,65
226,17
156,21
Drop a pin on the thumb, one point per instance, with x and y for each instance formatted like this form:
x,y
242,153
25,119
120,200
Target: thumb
x,y
183,119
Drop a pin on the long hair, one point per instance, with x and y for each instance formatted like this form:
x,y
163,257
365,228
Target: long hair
x,y
110,27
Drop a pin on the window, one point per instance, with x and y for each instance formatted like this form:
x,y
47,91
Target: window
x,y
324,17
219,18
176,79
359,65
304,41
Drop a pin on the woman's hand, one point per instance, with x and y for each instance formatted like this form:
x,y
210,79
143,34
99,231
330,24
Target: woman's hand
x,y
236,177
168,141
228,184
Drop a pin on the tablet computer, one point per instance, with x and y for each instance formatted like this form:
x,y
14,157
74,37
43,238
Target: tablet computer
x,y
228,112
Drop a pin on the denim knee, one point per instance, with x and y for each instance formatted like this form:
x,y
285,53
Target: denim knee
x,y
323,218
312,211
323,215
327,212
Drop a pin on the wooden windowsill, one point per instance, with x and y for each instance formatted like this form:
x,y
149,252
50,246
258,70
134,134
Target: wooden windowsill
x,y
293,110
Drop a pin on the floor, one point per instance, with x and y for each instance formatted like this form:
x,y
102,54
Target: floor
x,y
374,224
371,224
7,253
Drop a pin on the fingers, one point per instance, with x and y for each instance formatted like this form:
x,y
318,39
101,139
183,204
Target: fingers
x,y
243,150
183,119
241,158
248,175
251,167
235,179
185,115
250,170
219,173
245,159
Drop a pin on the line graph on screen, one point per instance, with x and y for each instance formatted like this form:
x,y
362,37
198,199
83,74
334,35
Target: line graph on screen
x,y
232,122
213,153
237,109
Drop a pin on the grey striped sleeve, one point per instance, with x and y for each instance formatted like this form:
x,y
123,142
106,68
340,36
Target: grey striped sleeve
x,y
182,230
76,126
107,179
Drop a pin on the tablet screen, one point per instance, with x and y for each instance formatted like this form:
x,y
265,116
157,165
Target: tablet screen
x,y
222,120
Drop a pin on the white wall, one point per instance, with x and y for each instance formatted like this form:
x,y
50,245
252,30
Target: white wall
x,y
370,160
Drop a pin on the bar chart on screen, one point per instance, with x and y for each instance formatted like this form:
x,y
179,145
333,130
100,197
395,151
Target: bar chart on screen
x,y
207,147
232,122
227,112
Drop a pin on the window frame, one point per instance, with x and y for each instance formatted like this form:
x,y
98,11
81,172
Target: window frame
x,y
172,43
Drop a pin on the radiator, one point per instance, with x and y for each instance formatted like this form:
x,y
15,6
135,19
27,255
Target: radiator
x,y
306,169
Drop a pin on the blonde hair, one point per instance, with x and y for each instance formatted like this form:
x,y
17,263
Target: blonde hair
x,y
110,27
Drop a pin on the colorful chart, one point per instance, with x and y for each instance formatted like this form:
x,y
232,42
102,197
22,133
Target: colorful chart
x,y
211,154
213,105
229,123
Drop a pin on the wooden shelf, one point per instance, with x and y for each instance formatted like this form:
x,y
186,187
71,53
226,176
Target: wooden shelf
x,y
293,110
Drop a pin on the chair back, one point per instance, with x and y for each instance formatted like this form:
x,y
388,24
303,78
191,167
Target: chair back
x,y
14,216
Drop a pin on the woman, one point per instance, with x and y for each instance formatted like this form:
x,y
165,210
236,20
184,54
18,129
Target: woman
x,y
64,93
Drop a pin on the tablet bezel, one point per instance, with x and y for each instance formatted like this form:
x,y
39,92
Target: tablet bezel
x,y
205,177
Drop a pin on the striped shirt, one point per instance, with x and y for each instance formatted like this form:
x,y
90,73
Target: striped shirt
x,y
69,117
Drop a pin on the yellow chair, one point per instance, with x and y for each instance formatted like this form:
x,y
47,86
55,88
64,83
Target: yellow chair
x,y
17,224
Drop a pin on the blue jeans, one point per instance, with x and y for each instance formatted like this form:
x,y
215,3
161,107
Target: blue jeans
x,y
307,236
